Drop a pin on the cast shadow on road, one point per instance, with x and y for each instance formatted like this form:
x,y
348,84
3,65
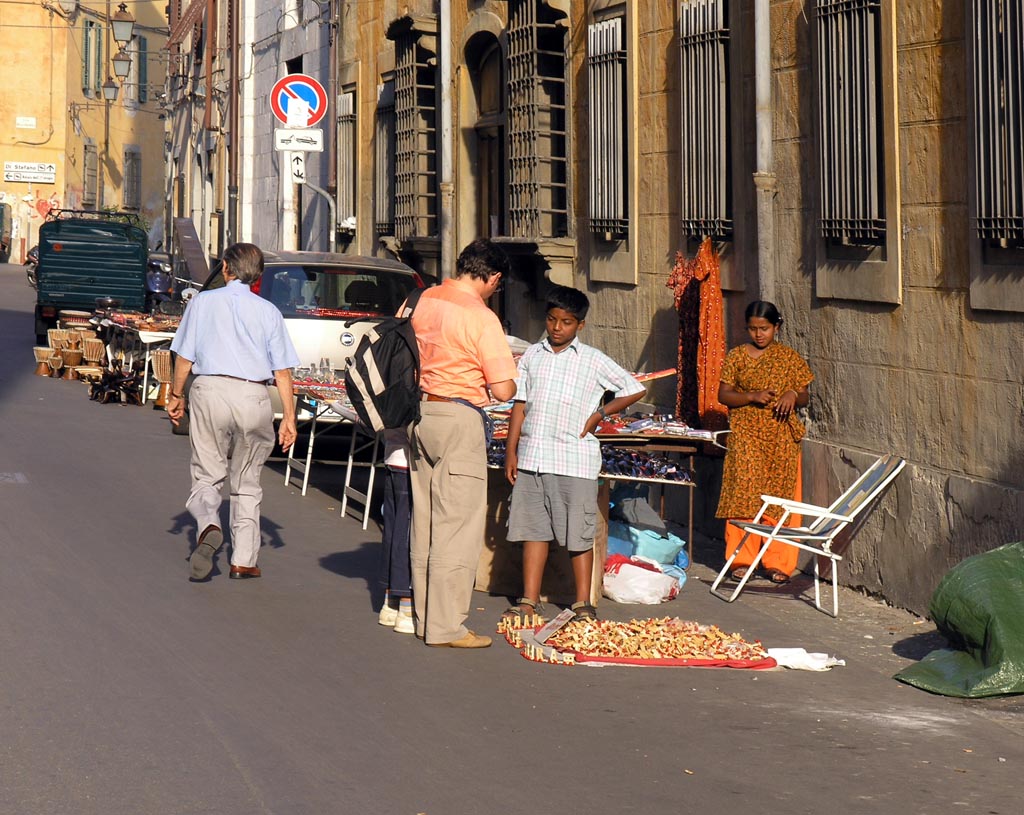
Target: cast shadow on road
x,y
362,562
918,646
184,524
17,339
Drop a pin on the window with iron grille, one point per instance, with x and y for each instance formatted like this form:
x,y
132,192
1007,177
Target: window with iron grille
x,y
384,154
346,159
416,97
609,164
998,37
131,187
850,122
90,175
705,154
538,121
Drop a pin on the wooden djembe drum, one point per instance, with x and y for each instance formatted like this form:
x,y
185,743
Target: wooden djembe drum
x,y
162,373
57,338
56,362
94,352
72,359
42,354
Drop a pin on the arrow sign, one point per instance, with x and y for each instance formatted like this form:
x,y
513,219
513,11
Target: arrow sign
x,y
299,168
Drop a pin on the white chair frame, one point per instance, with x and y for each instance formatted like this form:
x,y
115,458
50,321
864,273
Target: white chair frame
x,y
822,525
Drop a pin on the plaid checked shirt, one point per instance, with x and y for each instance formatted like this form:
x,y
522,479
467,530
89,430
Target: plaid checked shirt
x,y
561,392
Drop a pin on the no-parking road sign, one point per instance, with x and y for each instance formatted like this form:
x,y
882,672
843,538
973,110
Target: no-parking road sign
x,y
303,91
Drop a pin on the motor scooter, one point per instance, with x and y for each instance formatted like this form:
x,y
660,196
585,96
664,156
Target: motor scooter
x,y
31,262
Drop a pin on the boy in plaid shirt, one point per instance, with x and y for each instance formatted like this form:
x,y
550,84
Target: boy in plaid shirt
x,y
552,458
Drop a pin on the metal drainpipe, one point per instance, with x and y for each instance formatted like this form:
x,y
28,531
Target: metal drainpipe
x,y
445,220
208,46
764,177
333,225
235,123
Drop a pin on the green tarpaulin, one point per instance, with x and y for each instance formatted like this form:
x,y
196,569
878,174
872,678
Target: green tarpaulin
x,y
979,608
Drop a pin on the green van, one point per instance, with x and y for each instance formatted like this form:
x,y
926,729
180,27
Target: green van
x,y
84,256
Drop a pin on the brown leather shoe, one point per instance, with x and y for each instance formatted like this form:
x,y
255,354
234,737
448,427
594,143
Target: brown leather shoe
x,y
471,640
244,572
201,561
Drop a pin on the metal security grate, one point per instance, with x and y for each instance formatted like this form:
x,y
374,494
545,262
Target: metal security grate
x,y
346,157
850,123
706,206
999,120
415,139
384,178
538,135
90,175
131,187
609,176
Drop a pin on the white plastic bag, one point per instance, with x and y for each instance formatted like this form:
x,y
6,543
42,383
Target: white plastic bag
x,y
627,582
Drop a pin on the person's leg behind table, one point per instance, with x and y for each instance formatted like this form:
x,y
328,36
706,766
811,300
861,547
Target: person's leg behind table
x,y
397,521
253,443
779,558
453,436
210,432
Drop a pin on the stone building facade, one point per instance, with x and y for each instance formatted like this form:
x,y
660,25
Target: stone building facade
x,y
847,158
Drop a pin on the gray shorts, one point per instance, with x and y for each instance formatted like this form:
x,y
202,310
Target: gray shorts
x,y
548,507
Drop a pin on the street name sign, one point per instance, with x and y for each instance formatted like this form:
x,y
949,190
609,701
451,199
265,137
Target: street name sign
x,y
305,140
303,93
30,171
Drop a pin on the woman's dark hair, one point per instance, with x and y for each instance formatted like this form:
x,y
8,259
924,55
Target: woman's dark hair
x,y
481,259
568,299
762,308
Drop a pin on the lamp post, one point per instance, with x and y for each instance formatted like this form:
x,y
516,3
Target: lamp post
x,y
122,64
123,25
110,88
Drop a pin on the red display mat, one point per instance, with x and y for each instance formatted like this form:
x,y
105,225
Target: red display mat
x,y
519,633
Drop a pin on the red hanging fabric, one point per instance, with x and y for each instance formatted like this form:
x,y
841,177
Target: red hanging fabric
x,y
697,286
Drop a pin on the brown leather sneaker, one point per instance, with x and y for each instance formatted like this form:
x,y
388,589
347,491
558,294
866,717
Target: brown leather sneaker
x,y
201,561
471,640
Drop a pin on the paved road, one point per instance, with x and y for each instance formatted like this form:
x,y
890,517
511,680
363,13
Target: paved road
x,y
126,689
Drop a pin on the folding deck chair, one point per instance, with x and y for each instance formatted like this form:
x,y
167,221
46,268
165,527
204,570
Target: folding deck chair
x,y
822,525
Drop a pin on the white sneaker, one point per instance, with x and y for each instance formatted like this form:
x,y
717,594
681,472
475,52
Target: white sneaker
x,y
404,623
388,615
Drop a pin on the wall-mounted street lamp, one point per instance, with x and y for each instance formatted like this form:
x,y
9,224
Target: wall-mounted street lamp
x,y
123,24
122,64
109,88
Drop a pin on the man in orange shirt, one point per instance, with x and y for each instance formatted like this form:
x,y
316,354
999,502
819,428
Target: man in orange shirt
x,y
463,352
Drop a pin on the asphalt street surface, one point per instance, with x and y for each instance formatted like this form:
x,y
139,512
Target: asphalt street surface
x,y
124,688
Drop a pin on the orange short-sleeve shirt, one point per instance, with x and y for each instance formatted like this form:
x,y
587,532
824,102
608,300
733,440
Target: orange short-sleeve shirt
x,y
462,345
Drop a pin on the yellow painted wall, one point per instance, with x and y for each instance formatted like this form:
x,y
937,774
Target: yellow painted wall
x,y
42,52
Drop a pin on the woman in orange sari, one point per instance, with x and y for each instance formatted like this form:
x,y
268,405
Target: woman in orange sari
x,y
763,382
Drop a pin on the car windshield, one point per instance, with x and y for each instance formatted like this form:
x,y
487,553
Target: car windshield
x,y
333,291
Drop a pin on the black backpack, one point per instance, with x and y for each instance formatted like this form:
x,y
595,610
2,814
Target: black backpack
x,y
383,378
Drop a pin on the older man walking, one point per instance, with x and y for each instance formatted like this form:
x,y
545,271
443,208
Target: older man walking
x,y
463,352
236,343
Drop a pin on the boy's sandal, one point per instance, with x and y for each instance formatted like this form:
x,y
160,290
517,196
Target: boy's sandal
x,y
524,607
584,611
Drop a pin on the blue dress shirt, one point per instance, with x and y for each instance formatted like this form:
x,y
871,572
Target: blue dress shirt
x,y
232,332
